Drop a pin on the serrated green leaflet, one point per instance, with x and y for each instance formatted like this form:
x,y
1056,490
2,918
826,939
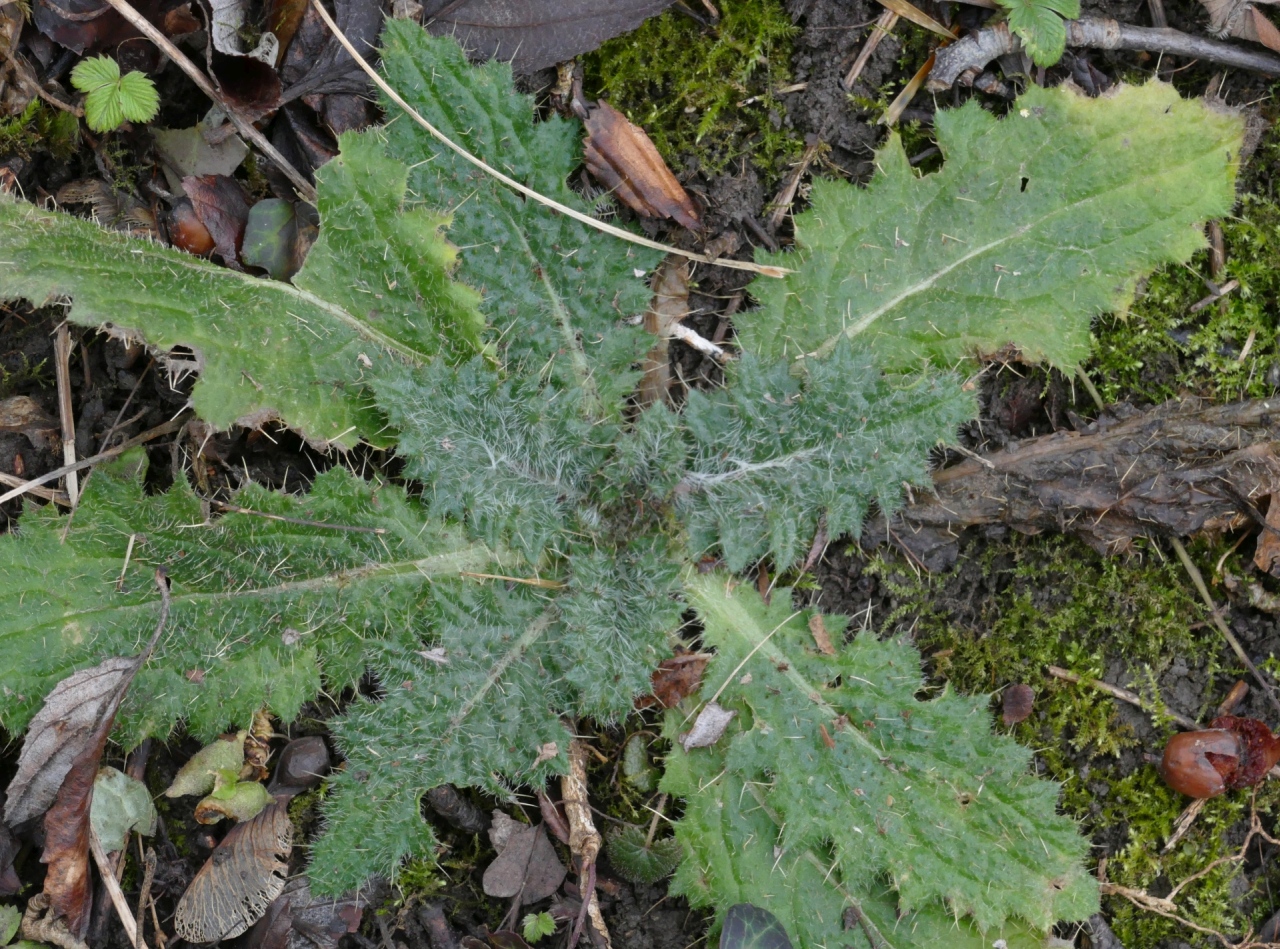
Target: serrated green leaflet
x,y
857,775
1036,223
1039,24
259,605
555,292
266,349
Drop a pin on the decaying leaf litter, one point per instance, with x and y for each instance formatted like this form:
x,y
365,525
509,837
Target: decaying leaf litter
x,y
778,515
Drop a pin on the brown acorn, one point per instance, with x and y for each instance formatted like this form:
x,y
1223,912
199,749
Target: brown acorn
x,y
1233,753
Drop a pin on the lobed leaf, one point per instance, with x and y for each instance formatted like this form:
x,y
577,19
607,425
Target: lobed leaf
x,y
776,456
259,605
862,782
554,292
266,349
1036,223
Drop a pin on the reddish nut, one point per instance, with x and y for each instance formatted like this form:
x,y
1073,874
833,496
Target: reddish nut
x,y
1233,753
187,231
1197,764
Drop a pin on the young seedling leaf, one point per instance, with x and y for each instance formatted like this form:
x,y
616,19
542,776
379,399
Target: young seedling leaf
x,y
856,773
1036,223
1039,24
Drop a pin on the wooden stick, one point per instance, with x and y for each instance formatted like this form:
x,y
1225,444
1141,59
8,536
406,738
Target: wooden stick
x,y
114,891
588,220
584,840
305,189
49,494
62,372
1124,695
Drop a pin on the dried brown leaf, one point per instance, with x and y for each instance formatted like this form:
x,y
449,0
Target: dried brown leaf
x,y
534,34
1243,20
622,158
527,866
821,638
23,414
707,727
297,920
674,680
1267,555
219,202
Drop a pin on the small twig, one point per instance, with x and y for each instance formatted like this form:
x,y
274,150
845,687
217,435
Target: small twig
x,y
699,342
1213,298
301,522
144,897
968,453
28,78
1218,621
1186,820
909,11
787,194
1124,695
49,494
1158,18
62,372
903,99
882,28
150,434
527,581
971,54
510,182
305,189
114,891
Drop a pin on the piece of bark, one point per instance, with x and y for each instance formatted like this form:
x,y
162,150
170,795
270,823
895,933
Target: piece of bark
x,y
965,59
670,305
534,34
622,158
1267,555
1179,468
459,811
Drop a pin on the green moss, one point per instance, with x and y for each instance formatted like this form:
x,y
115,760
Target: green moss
x,y
25,374
708,93
40,128
1160,349
1058,603
419,879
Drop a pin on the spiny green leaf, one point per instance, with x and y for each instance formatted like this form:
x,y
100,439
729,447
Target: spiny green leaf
x,y
1038,23
1036,223
852,769
259,605
642,860
555,292
775,456
268,349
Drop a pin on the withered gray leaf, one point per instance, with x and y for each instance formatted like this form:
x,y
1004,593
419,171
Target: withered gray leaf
x,y
707,727
527,865
534,34
65,727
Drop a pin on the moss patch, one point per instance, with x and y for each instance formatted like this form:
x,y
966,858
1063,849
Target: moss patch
x,y
705,93
1058,603
40,128
1161,349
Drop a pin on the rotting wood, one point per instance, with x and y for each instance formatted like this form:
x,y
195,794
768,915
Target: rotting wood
x,y
965,59
1174,470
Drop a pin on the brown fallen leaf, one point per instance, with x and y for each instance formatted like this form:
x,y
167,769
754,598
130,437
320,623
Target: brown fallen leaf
x,y
675,679
1017,702
821,638
219,202
298,920
23,414
534,34
240,880
622,158
1242,20
1267,555
527,865
57,767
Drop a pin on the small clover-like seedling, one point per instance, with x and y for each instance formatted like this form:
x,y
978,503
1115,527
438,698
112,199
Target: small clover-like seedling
x,y
112,99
